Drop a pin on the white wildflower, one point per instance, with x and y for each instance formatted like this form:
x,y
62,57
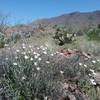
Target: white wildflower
x,y
52,54
38,54
35,63
6,45
61,72
93,61
45,52
29,51
46,48
92,70
45,98
23,78
94,73
26,57
90,75
16,57
85,66
30,46
17,50
23,47
38,68
39,59
15,63
35,56
41,46
60,54
92,81
6,58
43,49
80,64
47,62
23,44
31,59
38,48
98,60
23,53
34,53
57,52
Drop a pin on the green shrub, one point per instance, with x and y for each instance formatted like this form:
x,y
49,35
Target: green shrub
x,y
94,34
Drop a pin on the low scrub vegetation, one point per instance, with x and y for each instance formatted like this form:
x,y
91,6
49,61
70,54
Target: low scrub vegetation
x,y
34,72
94,34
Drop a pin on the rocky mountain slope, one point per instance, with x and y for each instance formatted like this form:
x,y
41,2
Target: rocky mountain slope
x,y
75,21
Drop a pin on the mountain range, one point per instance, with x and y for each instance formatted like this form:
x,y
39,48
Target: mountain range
x,y
75,21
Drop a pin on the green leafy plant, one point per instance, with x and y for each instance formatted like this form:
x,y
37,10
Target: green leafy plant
x,y
93,34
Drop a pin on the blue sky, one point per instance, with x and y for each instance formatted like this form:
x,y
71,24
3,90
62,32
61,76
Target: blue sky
x,y
28,10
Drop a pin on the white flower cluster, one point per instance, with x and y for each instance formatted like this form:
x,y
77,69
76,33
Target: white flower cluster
x,y
93,72
15,63
31,59
6,45
23,53
35,63
39,59
80,64
47,62
98,60
38,68
23,46
44,52
92,81
93,61
85,65
17,50
26,57
61,72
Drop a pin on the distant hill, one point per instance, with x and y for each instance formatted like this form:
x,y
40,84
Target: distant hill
x,y
75,21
